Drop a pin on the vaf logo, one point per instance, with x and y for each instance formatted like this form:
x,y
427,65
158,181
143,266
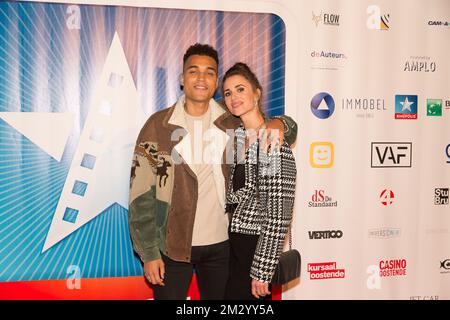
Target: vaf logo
x,y
391,155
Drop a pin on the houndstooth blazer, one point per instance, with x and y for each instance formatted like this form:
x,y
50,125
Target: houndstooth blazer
x,y
271,215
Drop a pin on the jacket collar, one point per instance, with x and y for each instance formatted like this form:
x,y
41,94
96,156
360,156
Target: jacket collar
x,y
178,115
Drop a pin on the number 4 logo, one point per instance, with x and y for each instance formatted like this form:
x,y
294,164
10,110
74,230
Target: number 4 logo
x,y
387,197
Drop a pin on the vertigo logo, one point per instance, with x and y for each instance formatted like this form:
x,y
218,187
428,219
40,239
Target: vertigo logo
x,y
391,155
376,20
441,196
325,270
329,234
392,268
387,197
322,105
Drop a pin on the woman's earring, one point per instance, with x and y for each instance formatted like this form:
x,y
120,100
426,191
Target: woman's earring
x,y
256,103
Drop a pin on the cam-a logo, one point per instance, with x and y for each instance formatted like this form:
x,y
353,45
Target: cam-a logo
x,y
324,270
406,107
320,200
321,154
391,155
392,268
441,196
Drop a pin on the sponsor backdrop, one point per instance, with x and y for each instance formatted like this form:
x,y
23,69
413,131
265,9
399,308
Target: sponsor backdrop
x,y
372,214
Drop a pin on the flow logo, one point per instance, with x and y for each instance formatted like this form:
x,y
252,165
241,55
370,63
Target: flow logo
x,y
387,197
391,155
406,107
322,105
321,154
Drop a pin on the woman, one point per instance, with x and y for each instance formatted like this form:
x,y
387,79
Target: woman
x,y
260,194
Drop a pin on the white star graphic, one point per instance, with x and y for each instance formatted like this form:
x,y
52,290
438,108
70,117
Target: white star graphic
x,y
102,160
406,104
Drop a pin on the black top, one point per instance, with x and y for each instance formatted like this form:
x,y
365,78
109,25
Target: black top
x,y
239,177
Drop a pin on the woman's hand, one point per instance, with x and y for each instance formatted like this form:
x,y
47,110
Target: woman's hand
x,y
259,288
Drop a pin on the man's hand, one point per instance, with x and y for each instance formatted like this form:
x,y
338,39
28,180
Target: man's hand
x,y
259,288
154,271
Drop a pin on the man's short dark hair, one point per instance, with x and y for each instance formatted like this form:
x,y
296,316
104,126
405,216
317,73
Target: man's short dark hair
x,y
201,50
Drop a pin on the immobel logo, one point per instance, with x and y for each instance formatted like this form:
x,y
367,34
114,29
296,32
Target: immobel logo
x,y
441,196
325,270
391,155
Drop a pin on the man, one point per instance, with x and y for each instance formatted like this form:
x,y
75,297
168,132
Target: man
x,y
176,215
